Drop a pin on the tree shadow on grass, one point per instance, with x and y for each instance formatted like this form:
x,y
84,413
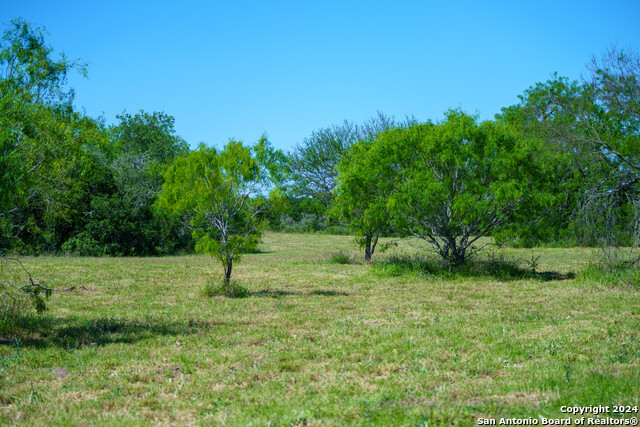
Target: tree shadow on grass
x,y
548,276
329,293
258,251
499,267
74,333
278,294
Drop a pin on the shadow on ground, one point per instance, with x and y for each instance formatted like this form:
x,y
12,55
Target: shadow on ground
x,y
73,333
498,267
549,276
278,294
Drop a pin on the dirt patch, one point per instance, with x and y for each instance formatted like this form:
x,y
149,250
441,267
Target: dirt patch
x,y
60,372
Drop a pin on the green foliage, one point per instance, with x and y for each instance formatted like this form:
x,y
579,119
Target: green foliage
x,y
449,183
299,215
29,71
594,126
313,164
47,172
308,223
120,218
117,228
224,195
361,195
65,180
149,135
41,142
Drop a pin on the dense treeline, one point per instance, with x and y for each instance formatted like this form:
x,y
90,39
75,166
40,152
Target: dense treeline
x,y
560,167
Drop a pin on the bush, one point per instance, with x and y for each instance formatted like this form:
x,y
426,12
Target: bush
x,y
232,289
84,245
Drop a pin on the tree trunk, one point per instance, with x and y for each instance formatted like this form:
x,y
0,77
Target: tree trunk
x,y
227,270
457,257
370,244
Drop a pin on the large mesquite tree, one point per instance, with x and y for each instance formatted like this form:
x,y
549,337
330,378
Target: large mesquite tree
x,y
454,182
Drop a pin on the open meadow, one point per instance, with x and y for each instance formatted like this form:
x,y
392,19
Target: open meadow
x,y
318,342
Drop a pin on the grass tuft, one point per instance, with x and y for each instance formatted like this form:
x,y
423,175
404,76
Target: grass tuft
x,y
232,289
605,274
340,257
413,265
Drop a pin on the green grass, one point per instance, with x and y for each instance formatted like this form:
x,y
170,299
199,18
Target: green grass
x,y
319,342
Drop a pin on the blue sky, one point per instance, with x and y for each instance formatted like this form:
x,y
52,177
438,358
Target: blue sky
x,y
238,69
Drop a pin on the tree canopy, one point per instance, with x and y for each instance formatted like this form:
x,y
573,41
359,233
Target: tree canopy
x,y
595,125
449,183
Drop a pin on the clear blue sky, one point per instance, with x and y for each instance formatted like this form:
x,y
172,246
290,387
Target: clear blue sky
x,y
237,69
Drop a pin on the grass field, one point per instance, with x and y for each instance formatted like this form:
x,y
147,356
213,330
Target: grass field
x,y
319,343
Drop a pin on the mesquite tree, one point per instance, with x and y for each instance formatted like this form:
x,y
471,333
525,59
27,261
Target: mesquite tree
x,y
224,192
454,182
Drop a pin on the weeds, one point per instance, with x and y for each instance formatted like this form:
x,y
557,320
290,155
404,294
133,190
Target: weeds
x,y
20,295
612,275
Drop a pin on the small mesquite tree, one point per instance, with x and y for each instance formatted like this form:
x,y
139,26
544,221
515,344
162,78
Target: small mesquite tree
x,y
224,193
452,183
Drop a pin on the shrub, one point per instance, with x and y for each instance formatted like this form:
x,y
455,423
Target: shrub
x,y
84,245
308,223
